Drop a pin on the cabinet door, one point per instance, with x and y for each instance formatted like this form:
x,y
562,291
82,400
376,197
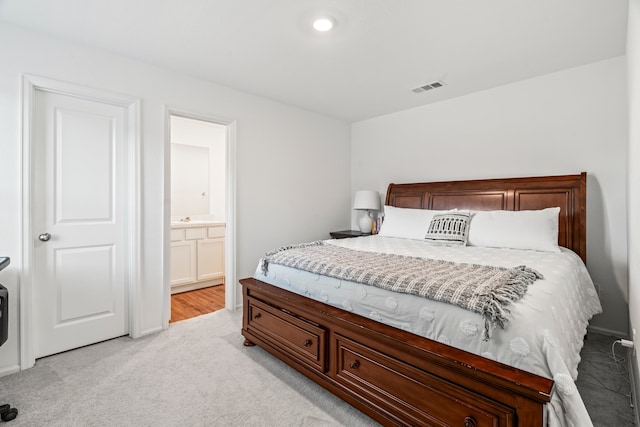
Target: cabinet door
x,y
183,262
210,259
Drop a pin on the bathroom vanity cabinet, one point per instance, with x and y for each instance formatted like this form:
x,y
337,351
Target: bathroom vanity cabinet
x,y
197,255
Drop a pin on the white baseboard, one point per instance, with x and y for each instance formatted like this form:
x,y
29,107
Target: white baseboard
x,y
9,370
151,331
185,287
606,331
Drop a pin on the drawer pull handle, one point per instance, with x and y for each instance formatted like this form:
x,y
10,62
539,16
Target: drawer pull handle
x,y
355,364
257,316
470,422
307,343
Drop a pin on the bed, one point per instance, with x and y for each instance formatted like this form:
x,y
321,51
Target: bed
x,y
448,372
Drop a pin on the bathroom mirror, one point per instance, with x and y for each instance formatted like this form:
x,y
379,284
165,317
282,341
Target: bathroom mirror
x,y
189,180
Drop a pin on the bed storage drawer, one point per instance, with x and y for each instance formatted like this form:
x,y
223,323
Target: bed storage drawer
x,y
423,398
302,340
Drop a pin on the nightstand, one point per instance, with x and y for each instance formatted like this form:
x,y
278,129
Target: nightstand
x,y
347,233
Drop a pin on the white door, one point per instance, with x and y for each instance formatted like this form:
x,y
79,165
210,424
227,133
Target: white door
x,y
79,221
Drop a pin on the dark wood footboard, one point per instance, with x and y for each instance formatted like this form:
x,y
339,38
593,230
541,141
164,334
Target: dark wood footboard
x,y
395,377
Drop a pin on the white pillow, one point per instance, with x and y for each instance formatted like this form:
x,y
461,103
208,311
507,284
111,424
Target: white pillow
x,y
449,229
406,223
535,230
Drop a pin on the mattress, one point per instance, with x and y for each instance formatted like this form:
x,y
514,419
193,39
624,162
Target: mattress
x,y
544,335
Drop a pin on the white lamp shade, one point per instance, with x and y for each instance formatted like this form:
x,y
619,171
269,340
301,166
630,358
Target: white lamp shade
x,y
366,200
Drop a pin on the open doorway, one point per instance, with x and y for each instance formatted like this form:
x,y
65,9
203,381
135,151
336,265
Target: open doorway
x,y
198,216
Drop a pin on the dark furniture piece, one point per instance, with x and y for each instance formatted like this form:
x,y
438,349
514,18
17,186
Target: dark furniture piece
x,y
7,413
394,376
345,234
4,304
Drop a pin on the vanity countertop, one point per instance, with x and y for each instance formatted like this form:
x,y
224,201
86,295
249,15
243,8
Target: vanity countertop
x,y
196,223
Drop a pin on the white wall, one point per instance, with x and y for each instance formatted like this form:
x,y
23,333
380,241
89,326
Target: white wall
x,y
633,75
562,123
292,165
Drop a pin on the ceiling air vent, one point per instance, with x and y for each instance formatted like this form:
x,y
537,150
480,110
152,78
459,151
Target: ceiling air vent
x,y
428,86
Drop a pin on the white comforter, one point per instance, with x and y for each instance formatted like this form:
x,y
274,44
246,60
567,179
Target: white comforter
x,y
544,336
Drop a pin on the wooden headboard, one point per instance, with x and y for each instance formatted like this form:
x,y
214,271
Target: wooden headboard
x,y
569,192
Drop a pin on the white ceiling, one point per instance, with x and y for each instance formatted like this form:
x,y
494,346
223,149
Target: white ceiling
x,y
379,51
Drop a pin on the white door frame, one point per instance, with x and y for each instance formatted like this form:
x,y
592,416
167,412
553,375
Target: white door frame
x,y
30,84
230,220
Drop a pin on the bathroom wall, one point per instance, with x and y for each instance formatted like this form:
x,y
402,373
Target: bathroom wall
x,y
202,137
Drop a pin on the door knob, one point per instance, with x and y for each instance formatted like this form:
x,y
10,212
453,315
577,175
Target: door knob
x,y
44,237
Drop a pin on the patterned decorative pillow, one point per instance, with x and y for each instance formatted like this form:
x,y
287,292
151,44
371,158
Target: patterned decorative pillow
x,y
449,229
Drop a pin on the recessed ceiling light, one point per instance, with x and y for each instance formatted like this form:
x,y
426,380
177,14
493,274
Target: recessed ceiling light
x,y
323,24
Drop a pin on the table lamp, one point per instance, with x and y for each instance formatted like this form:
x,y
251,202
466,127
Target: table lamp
x,y
366,200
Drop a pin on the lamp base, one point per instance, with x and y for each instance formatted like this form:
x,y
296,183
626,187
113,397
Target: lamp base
x,y
364,223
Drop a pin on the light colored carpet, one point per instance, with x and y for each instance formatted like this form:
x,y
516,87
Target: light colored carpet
x,y
197,373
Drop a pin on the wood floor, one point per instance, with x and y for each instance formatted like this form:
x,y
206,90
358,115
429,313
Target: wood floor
x,y
186,305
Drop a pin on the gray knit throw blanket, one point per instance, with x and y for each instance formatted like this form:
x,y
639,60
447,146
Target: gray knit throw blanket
x,y
483,289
